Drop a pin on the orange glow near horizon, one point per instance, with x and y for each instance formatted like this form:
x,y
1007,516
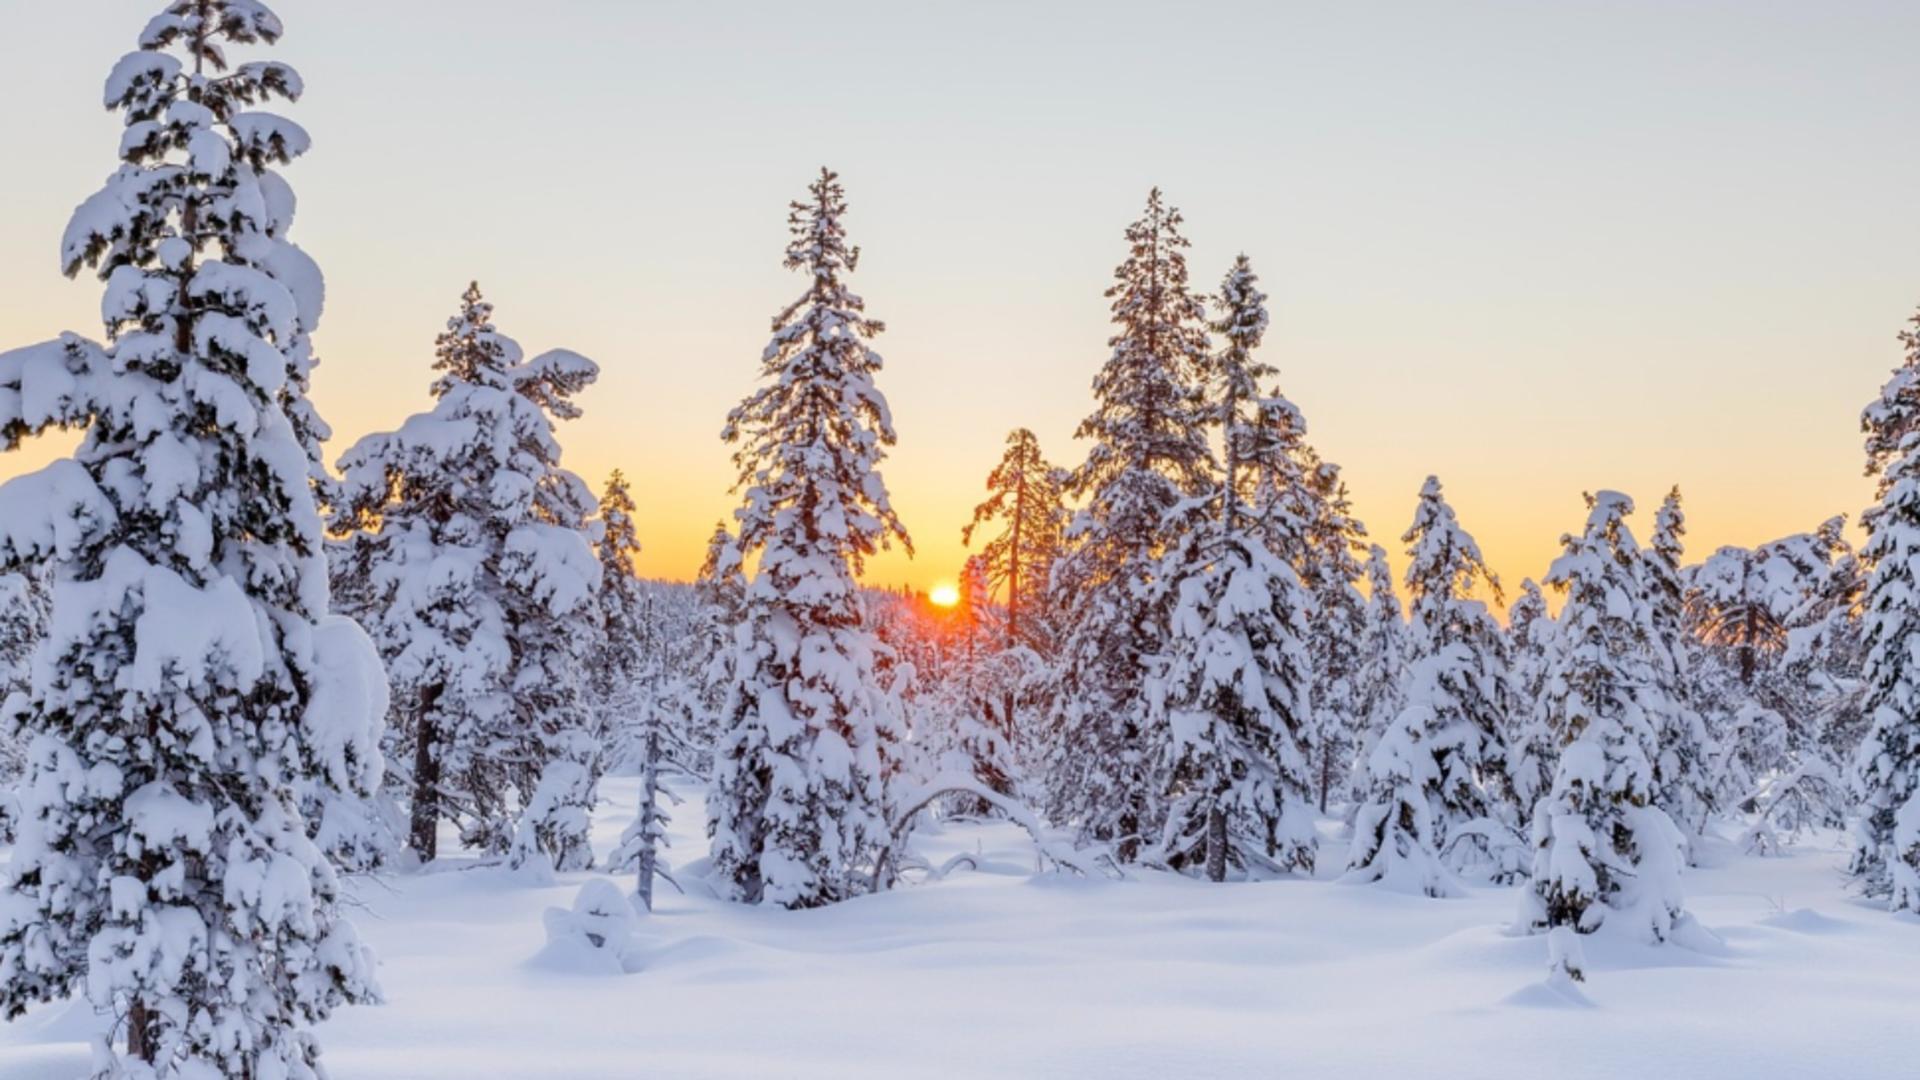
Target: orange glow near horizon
x,y
1513,248
944,594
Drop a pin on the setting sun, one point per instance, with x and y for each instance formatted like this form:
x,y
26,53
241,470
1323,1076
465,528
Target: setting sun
x,y
944,595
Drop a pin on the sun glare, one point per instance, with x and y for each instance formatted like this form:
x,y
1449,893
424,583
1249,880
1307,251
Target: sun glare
x,y
944,595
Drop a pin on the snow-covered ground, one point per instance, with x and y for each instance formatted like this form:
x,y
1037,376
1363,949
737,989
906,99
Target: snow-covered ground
x,y
998,972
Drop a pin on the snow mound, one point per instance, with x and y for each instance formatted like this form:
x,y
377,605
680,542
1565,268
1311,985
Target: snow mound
x,y
1807,921
1549,994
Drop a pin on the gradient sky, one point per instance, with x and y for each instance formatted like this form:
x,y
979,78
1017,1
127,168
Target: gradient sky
x,y
1534,248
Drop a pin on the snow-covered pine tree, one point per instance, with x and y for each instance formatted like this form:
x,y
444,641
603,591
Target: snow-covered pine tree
x,y
1380,677
468,551
1332,571
192,675
1532,746
1886,768
1149,456
1603,850
1737,608
799,813
1774,664
1238,684
1457,687
1027,495
1683,777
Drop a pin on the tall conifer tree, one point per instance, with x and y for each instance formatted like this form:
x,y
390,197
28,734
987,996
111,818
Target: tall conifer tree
x,y
1683,770
1148,458
1533,748
467,551
1381,678
799,809
1027,495
1238,683
1456,695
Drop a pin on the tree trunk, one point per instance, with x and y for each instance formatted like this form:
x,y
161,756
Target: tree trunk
x,y
425,830
1216,844
1015,556
1128,848
140,1032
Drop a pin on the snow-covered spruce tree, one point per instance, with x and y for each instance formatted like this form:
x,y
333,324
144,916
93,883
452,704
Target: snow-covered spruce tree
x,y
191,674
799,813
1603,850
628,679
467,550
719,597
1532,746
1396,841
1237,684
625,664
1683,779
553,629
1456,686
1299,510
623,643
1380,677
643,686
1886,768
1026,494
1149,456
656,752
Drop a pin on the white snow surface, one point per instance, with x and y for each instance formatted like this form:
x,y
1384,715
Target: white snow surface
x,y
993,971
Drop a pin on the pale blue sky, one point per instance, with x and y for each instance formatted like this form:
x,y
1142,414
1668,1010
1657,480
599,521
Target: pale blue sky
x,y
1532,247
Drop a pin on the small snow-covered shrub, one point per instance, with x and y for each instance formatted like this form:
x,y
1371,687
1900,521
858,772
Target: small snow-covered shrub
x,y
596,936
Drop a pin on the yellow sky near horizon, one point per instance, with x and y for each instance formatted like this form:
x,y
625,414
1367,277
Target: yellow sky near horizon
x,y
1534,250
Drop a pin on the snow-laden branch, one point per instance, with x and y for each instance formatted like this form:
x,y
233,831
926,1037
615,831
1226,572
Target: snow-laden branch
x,y
1080,862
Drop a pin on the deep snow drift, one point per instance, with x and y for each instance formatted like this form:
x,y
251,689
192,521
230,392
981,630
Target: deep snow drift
x,y
995,971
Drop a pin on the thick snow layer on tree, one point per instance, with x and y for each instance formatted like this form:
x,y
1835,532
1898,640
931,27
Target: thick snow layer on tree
x,y
994,972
